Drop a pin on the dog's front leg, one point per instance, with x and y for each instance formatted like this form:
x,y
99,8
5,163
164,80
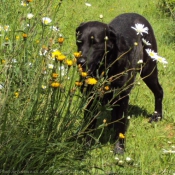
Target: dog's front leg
x,y
119,117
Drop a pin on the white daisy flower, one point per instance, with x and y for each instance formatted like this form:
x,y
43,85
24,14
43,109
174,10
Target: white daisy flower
x,y
128,159
147,43
140,62
50,66
116,158
120,162
43,87
106,38
14,60
88,4
23,3
30,64
101,16
161,60
54,28
135,43
140,29
43,52
46,20
30,15
151,53
168,151
6,28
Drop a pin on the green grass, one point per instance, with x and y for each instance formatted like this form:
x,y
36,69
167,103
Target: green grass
x,y
37,126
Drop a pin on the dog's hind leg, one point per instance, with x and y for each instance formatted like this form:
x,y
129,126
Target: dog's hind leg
x,y
149,75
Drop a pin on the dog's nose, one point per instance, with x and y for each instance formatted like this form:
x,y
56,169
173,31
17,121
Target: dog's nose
x,y
81,61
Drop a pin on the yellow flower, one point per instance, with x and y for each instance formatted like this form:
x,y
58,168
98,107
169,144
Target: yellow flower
x,y
37,41
55,84
61,57
78,83
54,75
16,94
77,54
24,35
84,74
17,37
106,88
60,40
121,136
6,38
56,53
91,81
69,62
104,121
3,61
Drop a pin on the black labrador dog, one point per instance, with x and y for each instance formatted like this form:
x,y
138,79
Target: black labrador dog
x,y
119,48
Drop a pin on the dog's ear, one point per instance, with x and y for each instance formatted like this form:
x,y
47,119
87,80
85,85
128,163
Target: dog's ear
x,y
78,28
122,44
118,40
112,37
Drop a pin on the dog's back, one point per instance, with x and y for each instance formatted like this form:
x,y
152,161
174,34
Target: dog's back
x,y
122,25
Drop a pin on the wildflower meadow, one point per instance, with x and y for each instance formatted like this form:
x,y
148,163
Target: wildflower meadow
x,y
42,108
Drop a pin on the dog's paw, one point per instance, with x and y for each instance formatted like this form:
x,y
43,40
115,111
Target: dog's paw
x,y
119,149
155,117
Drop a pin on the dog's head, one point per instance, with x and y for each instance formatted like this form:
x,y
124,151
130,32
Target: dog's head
x,y
95,40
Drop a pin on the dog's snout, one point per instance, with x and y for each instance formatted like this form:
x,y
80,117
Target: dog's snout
x,y
81,61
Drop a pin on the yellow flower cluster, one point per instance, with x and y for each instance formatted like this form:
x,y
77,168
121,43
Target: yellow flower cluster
x,y
55,84
60,40
107,88
58,55
3,61
16,94
121,136
54,75
69,62
78,83
77,54
84,74
24,35
91,81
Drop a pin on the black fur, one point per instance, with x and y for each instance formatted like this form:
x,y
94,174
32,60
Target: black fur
x,y
121,38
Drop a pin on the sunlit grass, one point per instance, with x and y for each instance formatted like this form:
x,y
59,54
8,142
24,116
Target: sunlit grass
x,y
41,108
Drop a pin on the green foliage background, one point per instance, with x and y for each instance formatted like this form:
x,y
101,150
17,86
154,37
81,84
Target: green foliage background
x,y
38,129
